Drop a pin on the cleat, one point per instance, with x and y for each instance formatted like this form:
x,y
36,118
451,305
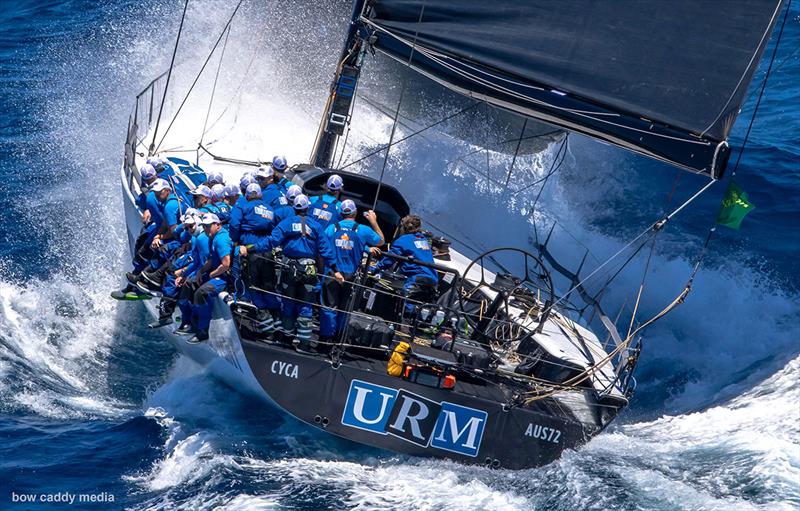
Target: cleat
x,y
184,330
160,322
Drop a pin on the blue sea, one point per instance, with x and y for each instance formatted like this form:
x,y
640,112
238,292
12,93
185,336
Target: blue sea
x,y
98,412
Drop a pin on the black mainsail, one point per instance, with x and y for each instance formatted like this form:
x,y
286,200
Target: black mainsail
x,y
665,79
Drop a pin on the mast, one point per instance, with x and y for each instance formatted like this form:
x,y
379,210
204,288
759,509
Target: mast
x,y
336,115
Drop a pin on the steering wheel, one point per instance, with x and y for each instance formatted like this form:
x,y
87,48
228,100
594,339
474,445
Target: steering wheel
x,y
486,305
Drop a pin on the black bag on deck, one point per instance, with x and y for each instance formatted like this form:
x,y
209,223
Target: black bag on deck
x,y
470,353
369,331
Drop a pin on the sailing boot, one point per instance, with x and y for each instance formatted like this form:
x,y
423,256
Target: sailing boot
x,y
165,308
198,338
265,323
305,344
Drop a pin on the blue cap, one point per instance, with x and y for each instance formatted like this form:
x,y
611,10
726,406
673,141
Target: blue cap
x,y
301,203
147,171
335,183
279,163
253,190
215,176
348,207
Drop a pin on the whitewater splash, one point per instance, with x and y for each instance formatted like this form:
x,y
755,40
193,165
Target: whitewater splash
x,y
67,352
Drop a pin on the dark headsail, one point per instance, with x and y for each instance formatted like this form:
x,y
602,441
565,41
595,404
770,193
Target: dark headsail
x,y
665,79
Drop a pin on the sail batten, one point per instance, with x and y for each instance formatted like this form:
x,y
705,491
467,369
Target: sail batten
x,y
665,79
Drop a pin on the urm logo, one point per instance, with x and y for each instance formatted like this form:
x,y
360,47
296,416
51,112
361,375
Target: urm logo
x,y
413,418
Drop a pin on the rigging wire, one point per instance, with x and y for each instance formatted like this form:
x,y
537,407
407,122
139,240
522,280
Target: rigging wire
x,y
400,140
200,73
389,146
214,87
151,151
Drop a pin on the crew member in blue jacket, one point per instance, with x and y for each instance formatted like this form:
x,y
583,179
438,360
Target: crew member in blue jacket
x,y
273,195
348,241
188,279
164,278
218,201
157,198
202,199
287,210
148,174
325,207
303,240
217,268
279,166
413,243
254,227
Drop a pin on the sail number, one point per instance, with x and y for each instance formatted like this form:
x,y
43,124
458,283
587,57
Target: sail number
x,y
543,433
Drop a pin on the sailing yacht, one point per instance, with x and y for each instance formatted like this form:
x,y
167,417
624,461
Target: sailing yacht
x,y
511,359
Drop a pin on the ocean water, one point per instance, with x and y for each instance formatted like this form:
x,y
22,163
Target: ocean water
x,y
94,404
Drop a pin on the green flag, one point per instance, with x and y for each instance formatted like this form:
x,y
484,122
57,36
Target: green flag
x,y
735,206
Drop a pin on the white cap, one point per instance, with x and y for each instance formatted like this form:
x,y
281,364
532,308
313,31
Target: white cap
x,y
159,184
247,178
301,202
293,192
253,190
335,182
147,171
348,207
153,160
218,191
215,176
202,190
210,218
231,191
264,171
190,216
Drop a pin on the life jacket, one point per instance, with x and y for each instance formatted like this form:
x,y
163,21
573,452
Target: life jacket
x,y
348,247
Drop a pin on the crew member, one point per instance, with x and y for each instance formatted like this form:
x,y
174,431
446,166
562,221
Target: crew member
x,y
145,248
412,243
218,264
325,207
254,227
273,195
303,240
287,210
188,279
279,165
218,201
348,241
164,278
202,199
